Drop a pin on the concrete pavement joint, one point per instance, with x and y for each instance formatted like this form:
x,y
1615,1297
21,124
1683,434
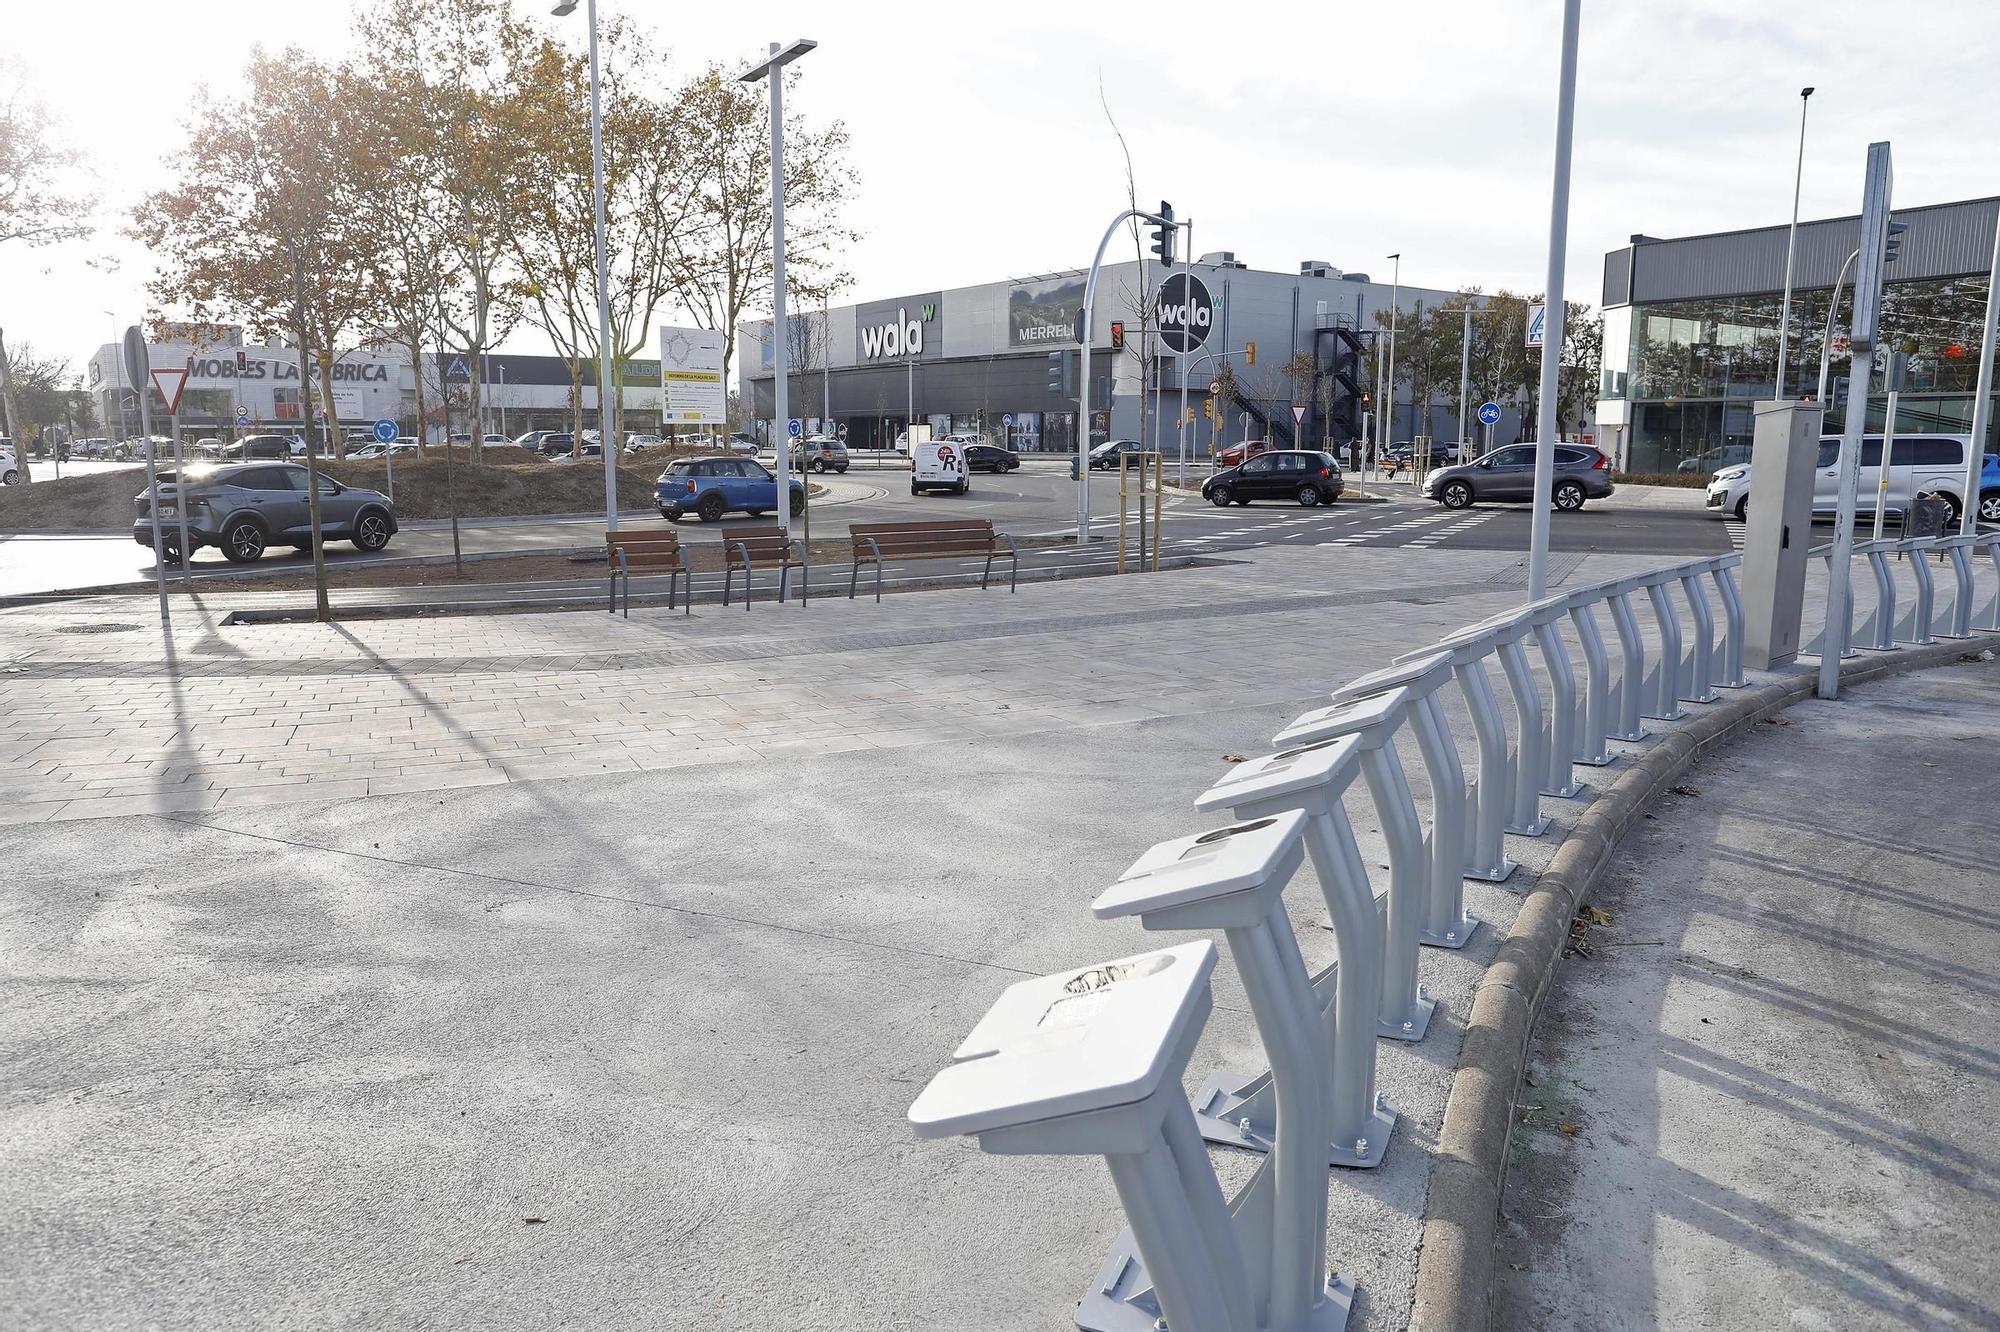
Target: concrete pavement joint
x,y
1462,1213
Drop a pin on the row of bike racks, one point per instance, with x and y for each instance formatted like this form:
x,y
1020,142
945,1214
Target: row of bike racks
x,y
1922,618
1092,1061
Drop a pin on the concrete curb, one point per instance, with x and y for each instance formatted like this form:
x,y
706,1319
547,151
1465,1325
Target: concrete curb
x,y
1462,1212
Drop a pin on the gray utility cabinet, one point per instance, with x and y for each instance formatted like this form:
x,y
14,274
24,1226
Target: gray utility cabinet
x,y
1778,531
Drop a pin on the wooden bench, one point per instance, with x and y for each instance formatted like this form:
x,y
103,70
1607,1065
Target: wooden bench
x,y
751,548
646,549
931,539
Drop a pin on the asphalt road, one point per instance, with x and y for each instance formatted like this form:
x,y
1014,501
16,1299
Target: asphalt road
x,y
1037,500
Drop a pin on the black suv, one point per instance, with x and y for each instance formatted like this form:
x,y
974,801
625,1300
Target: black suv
x,y
1301,475
242,508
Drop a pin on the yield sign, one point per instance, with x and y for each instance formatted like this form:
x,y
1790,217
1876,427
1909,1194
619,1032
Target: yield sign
x,y
170,383
1298,411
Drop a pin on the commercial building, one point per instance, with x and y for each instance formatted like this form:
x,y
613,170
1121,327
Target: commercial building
x,y
1691,331
231,380
976,359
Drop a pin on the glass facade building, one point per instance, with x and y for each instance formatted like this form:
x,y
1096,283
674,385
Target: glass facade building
x,y
1691,334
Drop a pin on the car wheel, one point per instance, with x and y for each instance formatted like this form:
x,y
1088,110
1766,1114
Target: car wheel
x,y
1568,496
914,490
756,513
841,468
13,478
371,531
1219,497
816,465
1989,507
1456,495
671,515
243,542
710,508
1743,508
964,487
1308,497
1243,500
798,504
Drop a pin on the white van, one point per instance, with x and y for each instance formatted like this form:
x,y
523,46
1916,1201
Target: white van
x,y
1918,464
939,464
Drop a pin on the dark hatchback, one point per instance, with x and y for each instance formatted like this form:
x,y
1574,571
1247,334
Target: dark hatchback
x,y
990,458
1299,475
1508,476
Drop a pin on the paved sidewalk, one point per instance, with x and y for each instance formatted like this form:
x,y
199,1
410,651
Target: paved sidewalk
x,y
1766,1097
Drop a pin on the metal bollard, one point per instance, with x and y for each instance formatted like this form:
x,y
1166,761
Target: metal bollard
x,y
1311,781
1490,794
1088,1062
1955,620
1563,724
1878,631
1699,658
1632,652
1445,923
1233,879
1729,653
1600,695
1661,692
1914,625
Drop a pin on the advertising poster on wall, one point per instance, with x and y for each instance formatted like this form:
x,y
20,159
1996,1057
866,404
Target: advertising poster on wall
x,y
691,377
1040,313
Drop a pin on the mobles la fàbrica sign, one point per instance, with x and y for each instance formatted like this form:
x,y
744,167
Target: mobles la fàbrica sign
x,y
907,329
227,367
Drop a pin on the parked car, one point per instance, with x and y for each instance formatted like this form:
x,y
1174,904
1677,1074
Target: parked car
x,y
990,458
209,447
1508,475
531,440
399,448
263,446
821,453
1304,476
1106,456
556,444
583,452
1918,465
10,467
1715,459
711,487
1237,453
245,508
744,444
635,442
939,464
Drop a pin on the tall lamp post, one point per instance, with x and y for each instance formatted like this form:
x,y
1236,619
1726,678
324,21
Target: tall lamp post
x,y
1548,407
1791,245
604,389
1388,402
773,68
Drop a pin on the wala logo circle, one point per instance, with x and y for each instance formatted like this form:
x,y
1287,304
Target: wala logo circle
x,y
1186,313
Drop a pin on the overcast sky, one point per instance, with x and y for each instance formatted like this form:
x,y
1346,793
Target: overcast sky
x,y
1286,131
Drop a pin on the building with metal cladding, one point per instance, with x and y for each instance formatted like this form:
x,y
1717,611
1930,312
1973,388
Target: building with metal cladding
x,y
1691,331
976,359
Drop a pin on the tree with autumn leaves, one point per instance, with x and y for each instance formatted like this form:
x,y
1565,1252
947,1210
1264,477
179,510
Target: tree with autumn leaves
x,y
441,194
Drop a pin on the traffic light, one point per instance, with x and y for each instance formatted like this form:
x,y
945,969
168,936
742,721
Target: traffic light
x,y
1893,250
1250,353
1163,234
1056,374
1117,335
1062,372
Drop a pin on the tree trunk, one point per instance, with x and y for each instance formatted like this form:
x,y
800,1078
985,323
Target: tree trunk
x,y
416,346
332,411
575,408
10,415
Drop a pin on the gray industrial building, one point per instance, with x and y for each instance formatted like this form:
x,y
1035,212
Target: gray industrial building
x,y
1691,331
975,359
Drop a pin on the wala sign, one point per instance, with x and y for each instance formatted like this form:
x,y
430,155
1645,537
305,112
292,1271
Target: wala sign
x,y
901,336
1186,313
909,328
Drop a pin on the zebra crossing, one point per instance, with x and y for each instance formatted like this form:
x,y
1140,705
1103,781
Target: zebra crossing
x,y
1416,529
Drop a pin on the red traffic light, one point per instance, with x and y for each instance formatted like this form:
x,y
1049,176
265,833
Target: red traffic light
x,y
1117,335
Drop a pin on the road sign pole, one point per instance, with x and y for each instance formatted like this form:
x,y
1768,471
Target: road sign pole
x,y
138,369
180,501
1548,410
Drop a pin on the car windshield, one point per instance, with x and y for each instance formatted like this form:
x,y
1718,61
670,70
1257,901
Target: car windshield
x,y
680,469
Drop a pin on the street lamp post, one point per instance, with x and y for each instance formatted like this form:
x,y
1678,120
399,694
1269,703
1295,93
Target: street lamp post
x,y
1791,244
1982,396
1548,407
1826,338
773,68
604,389
1388,415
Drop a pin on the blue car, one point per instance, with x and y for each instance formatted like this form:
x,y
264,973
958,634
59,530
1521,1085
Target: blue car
x,y
711,487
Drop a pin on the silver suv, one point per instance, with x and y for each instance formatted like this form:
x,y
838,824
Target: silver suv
x,y
243,508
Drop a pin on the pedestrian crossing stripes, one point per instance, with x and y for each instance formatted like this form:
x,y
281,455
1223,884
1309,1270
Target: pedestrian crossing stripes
x,y
1735,530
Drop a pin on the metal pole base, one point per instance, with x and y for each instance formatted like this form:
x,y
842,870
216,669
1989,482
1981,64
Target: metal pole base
x,y
1535,829
1710,697
1675,715
1414,1023
1600,760
1631,737
1570,791
1121,1298
1234,1111
1493,873
1454,936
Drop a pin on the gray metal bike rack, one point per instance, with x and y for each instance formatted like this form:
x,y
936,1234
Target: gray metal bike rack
x,y
1600,693
1954,620
1914,624
1989,617
1563,724
1531,737
1631,694
1729,653
1839,619
1233,879
1698,661
1311,781
1445,923
1490,795
1661,694
1878,631
1088,1062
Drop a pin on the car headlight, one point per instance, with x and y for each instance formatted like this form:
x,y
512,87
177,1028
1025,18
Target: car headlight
x,y
1732,474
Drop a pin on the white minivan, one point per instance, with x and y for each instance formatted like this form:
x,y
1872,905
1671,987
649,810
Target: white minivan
x,y
1917,464
939,464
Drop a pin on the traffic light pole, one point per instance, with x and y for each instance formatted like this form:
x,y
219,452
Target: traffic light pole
x,y
1083,380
